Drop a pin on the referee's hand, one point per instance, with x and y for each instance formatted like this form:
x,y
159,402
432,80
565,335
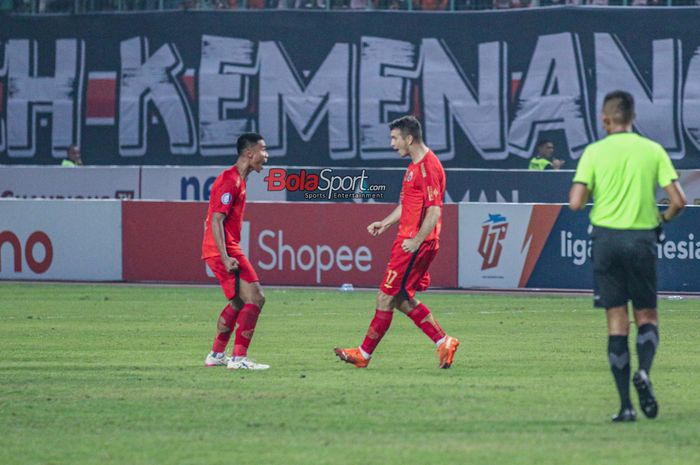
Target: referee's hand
x,y
660,234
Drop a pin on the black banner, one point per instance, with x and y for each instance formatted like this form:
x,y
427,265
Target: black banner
x,y
179,87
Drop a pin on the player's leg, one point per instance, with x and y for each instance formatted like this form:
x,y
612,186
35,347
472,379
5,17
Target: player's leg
x,y
423,318
224,329
418,279
252,299
227,317
378,327
383,315
384,310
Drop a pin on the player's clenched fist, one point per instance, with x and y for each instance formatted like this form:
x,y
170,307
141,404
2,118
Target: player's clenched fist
x,y
376,228
230,263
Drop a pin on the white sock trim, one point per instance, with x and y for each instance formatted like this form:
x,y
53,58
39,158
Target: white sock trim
x,y
365,354
439,343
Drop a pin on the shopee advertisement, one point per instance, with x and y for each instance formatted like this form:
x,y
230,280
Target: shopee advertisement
x,y
328,244
60,240
288,243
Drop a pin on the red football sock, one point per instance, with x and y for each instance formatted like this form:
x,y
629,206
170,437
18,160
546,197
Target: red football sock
x,y
422,317
247,319
229,315
377,329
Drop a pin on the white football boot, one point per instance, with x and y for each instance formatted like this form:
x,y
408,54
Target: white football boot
x,y
245,364
215,359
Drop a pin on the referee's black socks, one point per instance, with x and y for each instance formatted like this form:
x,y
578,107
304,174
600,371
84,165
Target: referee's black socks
x,y
647,342
619,358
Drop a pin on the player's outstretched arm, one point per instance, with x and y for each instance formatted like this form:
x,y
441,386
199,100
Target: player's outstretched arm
x,y
379,227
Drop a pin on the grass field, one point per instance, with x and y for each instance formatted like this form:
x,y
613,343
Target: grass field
x,y
114,375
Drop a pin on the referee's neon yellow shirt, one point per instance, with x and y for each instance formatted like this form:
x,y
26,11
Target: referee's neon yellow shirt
x,y
622,172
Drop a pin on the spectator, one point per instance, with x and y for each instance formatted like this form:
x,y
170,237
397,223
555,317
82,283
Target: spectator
x,y
431,5
74,158
310,4
544,158
359,4
520,4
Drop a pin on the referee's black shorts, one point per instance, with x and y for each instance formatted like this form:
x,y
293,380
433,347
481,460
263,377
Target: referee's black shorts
x,y
624,267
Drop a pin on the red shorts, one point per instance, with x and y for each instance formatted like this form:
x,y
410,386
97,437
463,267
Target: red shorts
x,y
408,271
229,280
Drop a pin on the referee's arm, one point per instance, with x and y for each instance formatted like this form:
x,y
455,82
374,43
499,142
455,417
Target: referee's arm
x,y
578,196
676,201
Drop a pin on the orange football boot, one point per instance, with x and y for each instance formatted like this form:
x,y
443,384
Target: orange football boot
x,y
353,356
447,350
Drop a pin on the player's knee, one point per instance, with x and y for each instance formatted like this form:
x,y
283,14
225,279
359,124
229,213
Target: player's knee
x,y
646,316
258,299
223,326
384,301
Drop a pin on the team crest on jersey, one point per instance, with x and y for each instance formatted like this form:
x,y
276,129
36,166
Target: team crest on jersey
x,y
409,176
226,198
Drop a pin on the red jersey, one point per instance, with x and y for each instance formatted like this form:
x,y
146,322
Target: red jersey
x,y
227,197
423,187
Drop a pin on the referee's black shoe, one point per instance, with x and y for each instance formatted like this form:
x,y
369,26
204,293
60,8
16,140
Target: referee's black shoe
x,y
626,415
647,401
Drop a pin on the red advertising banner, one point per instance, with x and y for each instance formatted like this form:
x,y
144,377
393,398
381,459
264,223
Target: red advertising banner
x,y
314,244
162,241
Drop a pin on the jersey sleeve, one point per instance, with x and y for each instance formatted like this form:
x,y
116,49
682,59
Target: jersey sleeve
x,y
666,172
433,186
584,171
222,197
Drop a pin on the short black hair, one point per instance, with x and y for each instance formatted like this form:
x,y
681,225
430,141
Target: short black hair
x,y
408,125
620,106
541,142
247,139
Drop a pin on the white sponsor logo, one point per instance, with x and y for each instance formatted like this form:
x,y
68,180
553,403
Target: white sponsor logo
x,y
319,257
579,250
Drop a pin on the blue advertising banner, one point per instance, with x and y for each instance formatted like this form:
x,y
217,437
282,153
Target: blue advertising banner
x,y
510,246
177,88
565,261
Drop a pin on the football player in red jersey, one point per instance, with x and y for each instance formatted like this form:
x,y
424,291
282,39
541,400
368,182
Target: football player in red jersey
x,y
222,252
415,247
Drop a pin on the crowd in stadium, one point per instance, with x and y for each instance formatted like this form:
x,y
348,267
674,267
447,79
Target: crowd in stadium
x,y
79,6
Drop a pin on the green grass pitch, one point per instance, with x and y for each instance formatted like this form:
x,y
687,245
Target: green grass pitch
x,y
93,374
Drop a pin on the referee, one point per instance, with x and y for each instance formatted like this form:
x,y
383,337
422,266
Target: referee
x,y
621,172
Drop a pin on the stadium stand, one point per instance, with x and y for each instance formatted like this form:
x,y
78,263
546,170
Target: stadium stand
x,y
91,6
